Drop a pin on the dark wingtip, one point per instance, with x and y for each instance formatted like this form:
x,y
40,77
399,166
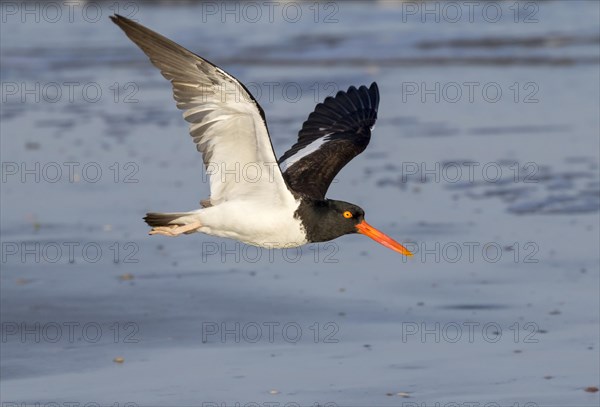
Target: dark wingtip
x,y
120,20
374,90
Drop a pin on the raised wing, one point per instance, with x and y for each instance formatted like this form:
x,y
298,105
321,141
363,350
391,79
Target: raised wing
x,y
336,131
227,125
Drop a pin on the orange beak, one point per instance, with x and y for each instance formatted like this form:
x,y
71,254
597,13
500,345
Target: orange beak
x,y
368,230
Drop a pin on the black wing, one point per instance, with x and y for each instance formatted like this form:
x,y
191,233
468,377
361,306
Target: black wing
x,y
337,130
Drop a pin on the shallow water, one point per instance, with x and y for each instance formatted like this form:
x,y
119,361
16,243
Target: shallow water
x,y
484,162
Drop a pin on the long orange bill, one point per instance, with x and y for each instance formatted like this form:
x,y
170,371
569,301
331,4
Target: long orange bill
x,y
368,230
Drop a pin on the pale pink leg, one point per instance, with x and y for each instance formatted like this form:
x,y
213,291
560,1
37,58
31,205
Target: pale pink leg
x,y
175,230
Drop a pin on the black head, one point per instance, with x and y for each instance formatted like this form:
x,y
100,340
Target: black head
x,y
328,219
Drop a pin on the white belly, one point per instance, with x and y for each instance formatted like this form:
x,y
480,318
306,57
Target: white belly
x,y
254,224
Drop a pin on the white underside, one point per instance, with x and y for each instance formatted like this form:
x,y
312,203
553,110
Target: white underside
x,y
251,222
249,199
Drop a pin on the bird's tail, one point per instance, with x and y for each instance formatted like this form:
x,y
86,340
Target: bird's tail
x,y
155,219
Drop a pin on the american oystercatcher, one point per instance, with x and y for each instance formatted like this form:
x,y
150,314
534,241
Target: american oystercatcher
x,y
255,198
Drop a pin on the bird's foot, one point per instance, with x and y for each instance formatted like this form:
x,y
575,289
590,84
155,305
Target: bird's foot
x,y
163,230
175,230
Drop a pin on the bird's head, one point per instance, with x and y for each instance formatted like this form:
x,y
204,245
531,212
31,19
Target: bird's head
x,y
332,219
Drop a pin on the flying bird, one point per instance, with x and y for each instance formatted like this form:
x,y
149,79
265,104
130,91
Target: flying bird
x,y
255,198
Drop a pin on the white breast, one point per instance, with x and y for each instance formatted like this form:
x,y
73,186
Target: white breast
x,y
264,224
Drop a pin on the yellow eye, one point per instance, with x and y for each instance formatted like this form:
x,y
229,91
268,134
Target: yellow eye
x,y
347,214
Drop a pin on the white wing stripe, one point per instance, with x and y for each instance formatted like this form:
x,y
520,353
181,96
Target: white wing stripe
x,y
304,151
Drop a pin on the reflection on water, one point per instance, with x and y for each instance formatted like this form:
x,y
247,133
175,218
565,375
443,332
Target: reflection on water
x,y
527,189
